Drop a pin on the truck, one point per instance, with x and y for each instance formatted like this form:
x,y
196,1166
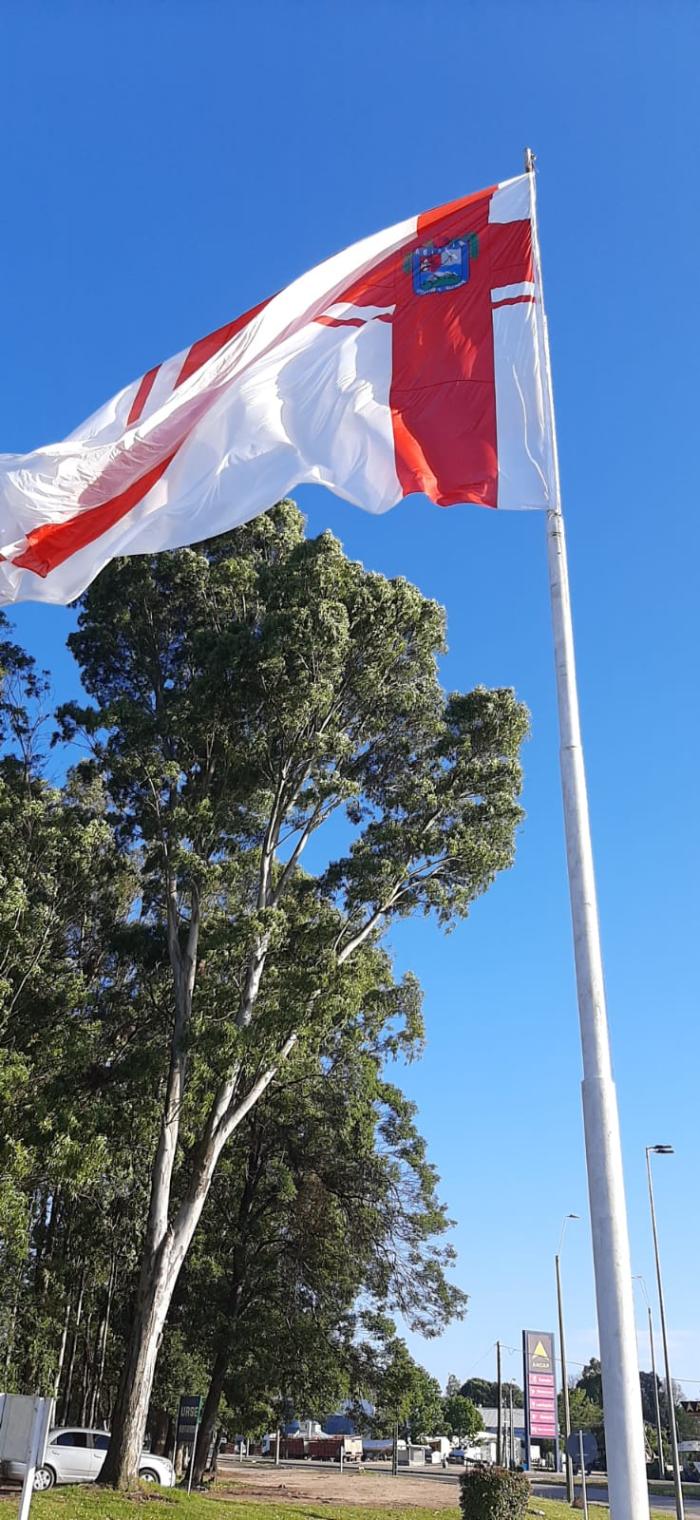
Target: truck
x,y
332,1448
292,1446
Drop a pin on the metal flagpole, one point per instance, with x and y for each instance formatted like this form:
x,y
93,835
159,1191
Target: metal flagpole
x,y
624,1438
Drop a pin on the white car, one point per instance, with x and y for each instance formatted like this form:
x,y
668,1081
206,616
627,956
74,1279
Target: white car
x,y
75,1455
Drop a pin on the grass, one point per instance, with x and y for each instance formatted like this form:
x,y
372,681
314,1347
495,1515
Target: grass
x,y
89,1503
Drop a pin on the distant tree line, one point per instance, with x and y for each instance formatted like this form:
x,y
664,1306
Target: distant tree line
x,y
586,1405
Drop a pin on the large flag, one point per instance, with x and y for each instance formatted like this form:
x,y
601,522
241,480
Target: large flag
x,y
412,361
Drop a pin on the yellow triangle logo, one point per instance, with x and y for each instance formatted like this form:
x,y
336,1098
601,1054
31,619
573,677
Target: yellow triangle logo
x,y
540,1351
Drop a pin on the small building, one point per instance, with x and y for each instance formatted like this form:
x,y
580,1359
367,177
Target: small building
x,y
490,1419
411,1454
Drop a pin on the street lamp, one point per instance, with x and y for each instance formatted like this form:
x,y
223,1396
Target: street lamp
x,y
665,1150
569,1467
657,1407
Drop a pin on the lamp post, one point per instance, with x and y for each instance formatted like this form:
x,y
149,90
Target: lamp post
x,y
569,1466
657,1406
665,1150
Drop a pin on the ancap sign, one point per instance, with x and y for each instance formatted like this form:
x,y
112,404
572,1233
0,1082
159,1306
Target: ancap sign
x,y
540,1386
539,1354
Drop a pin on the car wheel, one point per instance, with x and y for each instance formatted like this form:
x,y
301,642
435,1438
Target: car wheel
x,y
147,1475
44,1478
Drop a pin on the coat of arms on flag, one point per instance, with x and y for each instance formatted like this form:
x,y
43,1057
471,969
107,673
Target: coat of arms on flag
x,y
443,268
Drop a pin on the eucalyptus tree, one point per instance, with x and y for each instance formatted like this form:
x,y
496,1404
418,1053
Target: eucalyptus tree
x,y
326,1199
244,692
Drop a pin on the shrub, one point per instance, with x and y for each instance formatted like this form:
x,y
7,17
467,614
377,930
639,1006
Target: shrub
x,y
493,1493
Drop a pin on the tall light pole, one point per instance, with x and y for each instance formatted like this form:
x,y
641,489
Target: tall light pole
x,y
564,1376
665,1150
657,1406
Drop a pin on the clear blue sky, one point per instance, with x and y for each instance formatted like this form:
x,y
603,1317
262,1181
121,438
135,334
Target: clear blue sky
x,y
164,166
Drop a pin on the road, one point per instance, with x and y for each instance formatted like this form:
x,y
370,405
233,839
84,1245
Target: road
x,y
597,1495
544,1488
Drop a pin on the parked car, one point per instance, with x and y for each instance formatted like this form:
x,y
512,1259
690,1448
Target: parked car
x,y
75,1455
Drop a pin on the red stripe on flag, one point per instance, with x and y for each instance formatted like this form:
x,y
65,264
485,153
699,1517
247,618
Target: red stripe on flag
x,y
433,221
142,396
379,316
443,392
442,395
513,301
341,321
207,347
50,544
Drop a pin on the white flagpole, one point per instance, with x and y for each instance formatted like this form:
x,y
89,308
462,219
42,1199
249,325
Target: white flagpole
x,y
624,1439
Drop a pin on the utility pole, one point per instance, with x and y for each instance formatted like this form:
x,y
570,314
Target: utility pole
x,y
657,1406
569,1466
512,1430
499,1412
582,1460
665,1150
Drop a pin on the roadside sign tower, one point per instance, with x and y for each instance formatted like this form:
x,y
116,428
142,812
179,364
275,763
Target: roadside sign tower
x,y
541,1418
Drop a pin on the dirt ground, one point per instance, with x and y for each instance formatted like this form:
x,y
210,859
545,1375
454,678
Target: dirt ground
x,y
299,1485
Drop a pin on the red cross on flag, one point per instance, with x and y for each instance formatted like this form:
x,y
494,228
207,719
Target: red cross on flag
x,y
412,361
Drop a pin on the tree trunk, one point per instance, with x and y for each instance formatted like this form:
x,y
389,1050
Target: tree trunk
x,y
87,1370
120,1468
161,1259
160,1430
65,1416
168,1237
62,1351
161,1265
101,1349
214,1462
210,1413
11,1329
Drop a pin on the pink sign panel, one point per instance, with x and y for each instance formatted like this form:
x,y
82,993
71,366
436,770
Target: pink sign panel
x,y
540,1385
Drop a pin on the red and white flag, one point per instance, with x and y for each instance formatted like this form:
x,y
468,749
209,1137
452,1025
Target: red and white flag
x,y
412,361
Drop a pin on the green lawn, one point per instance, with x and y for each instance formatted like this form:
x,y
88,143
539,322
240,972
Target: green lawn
x,y
88,1503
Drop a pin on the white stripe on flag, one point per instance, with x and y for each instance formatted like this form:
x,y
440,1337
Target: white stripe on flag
x,y
522,464
512,201
510,292
349,309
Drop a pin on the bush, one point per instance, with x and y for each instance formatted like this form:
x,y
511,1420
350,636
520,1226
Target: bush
x,y
493,1493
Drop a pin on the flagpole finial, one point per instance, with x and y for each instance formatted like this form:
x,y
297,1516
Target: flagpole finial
x,y
529,161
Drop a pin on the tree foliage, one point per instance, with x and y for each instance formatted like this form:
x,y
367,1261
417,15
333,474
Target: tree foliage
x,y
403,1394
485,1394
584,1414
461,1417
